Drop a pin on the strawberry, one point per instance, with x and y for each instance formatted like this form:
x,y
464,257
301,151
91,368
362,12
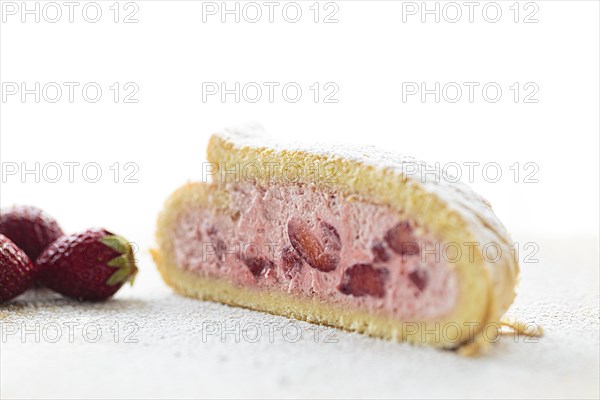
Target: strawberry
x,y
17,272
319,247
29,228
363,280
257,265
420,278
91,265
402,240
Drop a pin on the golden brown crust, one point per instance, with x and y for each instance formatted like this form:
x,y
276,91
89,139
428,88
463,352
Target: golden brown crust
x,y
451,211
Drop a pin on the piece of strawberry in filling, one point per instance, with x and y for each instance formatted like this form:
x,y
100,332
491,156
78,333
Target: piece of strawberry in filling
x,y
297,240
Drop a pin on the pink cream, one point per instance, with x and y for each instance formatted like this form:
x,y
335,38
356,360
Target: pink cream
x,y
254,249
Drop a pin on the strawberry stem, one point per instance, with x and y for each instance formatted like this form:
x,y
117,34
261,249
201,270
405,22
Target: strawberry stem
x,y
124,262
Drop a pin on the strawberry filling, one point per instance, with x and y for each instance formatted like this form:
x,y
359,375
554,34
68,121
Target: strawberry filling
x,y
299,240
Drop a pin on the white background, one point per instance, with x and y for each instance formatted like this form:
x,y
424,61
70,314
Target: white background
x,y
369,53
170,52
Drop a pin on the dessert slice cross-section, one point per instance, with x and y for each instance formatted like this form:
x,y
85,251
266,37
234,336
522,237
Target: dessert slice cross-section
x,y
355,238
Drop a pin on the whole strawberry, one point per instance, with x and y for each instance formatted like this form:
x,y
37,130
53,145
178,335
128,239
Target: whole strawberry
x,y
17,272
29,228
91,265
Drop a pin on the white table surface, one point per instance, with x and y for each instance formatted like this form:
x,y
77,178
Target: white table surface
x,y
174,352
